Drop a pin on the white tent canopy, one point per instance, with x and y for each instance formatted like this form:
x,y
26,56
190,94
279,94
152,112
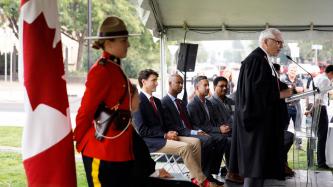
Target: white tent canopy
x,y
237,19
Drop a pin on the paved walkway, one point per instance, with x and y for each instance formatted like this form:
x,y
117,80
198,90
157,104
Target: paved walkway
x,y
12,102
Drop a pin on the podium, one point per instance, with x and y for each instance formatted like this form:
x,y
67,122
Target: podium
x,y
311,133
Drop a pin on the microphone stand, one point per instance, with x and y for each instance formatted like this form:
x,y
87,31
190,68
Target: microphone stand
x,y
311,140
313,85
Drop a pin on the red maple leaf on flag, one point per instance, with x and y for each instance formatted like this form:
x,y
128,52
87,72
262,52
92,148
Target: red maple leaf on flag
x,y
44,82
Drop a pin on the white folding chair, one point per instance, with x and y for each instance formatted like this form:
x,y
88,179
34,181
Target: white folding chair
x,y
171,163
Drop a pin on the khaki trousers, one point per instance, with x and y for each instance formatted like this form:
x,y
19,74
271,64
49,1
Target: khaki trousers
x,y
190,150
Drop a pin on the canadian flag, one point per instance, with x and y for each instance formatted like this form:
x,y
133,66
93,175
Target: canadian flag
x,y
47,147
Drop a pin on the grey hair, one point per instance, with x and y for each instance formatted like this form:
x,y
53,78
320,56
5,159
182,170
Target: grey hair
x,y
268,33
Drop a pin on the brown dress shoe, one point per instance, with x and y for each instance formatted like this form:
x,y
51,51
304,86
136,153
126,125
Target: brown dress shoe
x,y
234,177
288,172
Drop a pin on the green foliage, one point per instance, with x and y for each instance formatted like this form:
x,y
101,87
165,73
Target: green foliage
x,y
143,51
9,8
307,53
10,136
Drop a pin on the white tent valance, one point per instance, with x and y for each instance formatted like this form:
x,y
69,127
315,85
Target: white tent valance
x,y
237,19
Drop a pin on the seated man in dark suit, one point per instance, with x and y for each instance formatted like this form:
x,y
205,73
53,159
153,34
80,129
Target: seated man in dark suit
x,y
202,113
177,119
144,173
224,109
149,123
288,138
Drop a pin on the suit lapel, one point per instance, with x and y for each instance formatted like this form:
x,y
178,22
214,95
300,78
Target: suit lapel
x,y
196,99
175,112
145,102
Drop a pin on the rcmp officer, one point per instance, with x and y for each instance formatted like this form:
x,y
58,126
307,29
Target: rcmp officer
x,y
109,159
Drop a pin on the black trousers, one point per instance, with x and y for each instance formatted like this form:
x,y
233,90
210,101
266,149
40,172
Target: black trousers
x,y
253,182
222,147
287,143
322,136
108,174
118,174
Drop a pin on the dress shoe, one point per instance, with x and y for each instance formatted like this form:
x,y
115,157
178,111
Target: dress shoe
x,y
288,172
234,177
208,183
195,181
323,166
212,179
224,171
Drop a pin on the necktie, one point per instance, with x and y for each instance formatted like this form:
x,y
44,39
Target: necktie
x,y
182,114
151,100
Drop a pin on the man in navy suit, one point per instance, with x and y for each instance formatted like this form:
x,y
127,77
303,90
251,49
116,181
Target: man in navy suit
x,y
149,123
177,119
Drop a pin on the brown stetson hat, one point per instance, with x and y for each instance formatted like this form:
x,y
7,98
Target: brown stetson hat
x,y
112,27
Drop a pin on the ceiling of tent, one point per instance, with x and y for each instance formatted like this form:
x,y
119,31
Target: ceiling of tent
x,y
237,19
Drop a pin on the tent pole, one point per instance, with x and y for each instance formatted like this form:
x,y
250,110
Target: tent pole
x,y
11,66
162,61
5,66
89,34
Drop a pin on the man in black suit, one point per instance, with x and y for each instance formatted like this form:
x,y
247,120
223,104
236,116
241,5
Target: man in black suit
x,y
177,119
258,137
149,123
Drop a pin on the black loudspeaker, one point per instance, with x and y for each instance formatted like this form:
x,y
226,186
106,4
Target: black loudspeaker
x,y
186,57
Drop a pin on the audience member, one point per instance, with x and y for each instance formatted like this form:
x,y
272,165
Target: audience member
x,y
177,119
224,110
288,136
322,81
294,108
202,113
150,125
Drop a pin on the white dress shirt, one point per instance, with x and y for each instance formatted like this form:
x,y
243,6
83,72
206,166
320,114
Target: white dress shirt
x,y
322,82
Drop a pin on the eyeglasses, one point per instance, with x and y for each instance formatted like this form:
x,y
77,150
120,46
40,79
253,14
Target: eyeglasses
x,y
281,43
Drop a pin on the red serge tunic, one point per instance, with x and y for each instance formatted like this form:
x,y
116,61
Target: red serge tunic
x,y
105,83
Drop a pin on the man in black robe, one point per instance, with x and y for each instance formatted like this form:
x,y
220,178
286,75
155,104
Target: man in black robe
x,y
257,138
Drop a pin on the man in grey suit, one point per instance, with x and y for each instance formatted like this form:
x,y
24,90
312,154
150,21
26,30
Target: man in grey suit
x,y
224,110
177,119
202,113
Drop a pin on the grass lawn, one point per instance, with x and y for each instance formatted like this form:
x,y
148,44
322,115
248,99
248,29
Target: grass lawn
x,y
11,167
12,172
11,136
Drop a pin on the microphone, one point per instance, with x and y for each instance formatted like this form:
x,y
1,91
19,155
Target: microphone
x,y
313,85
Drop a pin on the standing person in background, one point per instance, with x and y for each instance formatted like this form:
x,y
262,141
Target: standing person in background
x,y
110,160
228,75
294,108
258,141
322,82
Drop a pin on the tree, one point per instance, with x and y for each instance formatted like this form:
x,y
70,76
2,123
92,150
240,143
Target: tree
x,y
9,12
74,14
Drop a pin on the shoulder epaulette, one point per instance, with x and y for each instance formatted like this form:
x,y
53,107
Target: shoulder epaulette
x,y
103,61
